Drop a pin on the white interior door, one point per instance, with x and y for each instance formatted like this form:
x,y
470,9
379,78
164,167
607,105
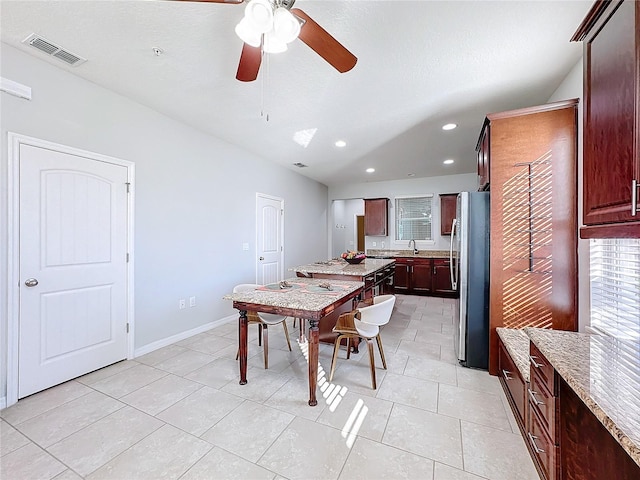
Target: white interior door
x,y
72,266
270,249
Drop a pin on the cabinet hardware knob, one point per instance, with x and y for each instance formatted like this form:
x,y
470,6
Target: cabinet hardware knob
x,y
634,197
506,373
532,394
532,439
532,359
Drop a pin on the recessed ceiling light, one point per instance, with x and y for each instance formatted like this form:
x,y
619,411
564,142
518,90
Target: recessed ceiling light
x,y
341,143
449,161
411,174
370,170
449,126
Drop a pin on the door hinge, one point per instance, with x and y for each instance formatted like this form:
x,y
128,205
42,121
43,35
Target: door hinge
x,y
127,327
127,258
128,187
281,248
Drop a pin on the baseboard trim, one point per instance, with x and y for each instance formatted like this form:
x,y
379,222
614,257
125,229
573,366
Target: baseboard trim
x,y
150,347
3,402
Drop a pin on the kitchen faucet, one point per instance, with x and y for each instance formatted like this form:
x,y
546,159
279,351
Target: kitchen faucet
x,y
415,250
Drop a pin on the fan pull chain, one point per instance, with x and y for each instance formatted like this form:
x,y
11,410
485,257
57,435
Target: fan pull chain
x,y
265,85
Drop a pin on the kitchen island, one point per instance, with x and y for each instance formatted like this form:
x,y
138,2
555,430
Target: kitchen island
x,y
376,274
581,416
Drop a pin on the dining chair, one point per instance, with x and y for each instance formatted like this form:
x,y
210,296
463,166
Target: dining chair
x,y
365,322
264,320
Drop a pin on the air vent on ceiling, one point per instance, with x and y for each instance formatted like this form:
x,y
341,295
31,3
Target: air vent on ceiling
x,y
299,165
45,46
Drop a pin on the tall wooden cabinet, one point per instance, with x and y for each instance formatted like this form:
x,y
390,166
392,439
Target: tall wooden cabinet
x,y
611,35
533,171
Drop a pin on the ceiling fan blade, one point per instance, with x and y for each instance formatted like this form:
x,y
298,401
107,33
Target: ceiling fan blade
x,y
319,40
250,60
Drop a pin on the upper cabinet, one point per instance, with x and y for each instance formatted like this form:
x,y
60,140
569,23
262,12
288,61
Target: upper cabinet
x,y
448,202
611,163
483,156
376,217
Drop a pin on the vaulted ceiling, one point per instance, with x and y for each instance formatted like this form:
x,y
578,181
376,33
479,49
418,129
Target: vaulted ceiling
x,y
421,64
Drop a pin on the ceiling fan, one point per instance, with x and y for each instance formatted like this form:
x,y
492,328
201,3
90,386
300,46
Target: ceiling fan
x,y
268,25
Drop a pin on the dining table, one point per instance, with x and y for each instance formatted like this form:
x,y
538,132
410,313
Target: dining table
x,y
303,298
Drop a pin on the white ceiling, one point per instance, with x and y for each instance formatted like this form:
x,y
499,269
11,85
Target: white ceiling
x,y
420,64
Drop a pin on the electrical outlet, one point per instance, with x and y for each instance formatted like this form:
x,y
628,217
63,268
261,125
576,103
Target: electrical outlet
x,y
375,244
245,247
382,244
182,304
192,301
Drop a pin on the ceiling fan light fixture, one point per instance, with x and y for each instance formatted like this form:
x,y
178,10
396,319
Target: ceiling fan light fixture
x,y
285,26
273,44
259,13
247,34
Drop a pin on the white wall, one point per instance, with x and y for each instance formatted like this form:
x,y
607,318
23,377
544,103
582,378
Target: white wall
x,y
195,197
414,186
344,226
571,87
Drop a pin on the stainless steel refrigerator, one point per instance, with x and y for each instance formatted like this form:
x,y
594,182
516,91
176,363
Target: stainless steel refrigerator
x,y
470,274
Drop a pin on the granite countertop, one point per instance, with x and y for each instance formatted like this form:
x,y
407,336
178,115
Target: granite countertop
x,y
304,294
341,267
604,372
409,253
516,341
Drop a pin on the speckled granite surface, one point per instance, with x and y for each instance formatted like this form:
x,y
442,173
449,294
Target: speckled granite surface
x,y
304,294
341,267
409,253
604,372
516,342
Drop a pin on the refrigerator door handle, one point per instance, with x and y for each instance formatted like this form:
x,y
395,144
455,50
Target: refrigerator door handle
x,y
452,265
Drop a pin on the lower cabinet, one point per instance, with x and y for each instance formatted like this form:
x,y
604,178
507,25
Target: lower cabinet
x,y
514,386
542,437
423,276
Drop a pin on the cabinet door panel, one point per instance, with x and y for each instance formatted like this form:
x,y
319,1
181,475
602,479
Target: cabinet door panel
x,y
442,276
447,212
610,159
401,278
375,217
421,277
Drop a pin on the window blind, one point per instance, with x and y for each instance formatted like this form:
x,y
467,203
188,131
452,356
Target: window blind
x,y
413,218
615,287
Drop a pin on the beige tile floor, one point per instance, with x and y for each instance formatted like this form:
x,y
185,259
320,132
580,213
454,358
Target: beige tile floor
x,y
179,412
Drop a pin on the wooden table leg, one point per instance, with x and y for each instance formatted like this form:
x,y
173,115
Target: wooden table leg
x,y
314,339
243,340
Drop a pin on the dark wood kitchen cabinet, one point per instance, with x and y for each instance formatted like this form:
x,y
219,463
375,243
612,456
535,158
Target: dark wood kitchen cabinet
x,y
376,217
448,203
533,248
514,386
413,275
423,276
542,431
611,158
441,280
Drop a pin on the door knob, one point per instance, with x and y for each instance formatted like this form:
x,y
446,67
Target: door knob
x,y
31,282
261,258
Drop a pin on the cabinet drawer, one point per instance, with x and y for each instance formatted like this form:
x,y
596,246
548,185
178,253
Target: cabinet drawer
x,y
541,367
542,447
544,404
514,384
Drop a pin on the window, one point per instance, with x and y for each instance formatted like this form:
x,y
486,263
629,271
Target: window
x,y
615,287
413,218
